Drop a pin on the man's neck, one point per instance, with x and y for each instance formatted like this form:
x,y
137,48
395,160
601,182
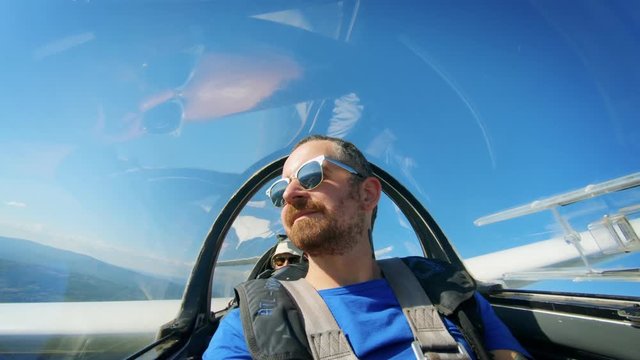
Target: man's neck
x,y
331,271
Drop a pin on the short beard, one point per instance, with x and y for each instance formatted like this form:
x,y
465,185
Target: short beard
x,y
326,235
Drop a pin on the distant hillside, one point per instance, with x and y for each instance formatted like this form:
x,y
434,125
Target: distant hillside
x,y
31,272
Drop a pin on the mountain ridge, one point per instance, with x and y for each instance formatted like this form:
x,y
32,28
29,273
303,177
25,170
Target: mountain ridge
x,y
33,272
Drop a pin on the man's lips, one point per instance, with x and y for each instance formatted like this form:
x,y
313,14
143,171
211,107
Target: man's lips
x,y
302,213
297,209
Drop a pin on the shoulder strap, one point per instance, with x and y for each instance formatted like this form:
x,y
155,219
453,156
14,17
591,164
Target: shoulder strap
x,y
431,335
470,324
445,284
268,316
325,337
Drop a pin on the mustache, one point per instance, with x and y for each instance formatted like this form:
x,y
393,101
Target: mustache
x,y
290,212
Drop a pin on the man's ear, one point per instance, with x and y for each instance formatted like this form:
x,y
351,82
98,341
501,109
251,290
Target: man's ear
x,y
370,190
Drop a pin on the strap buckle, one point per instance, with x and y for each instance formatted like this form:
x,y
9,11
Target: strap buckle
x,y
417,351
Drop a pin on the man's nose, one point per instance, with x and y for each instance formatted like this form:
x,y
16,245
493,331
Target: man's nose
x,y
294,192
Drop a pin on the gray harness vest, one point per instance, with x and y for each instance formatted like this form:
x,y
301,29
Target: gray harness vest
x,y
289,320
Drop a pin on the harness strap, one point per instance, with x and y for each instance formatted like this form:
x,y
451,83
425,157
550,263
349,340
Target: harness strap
x,y
432,337
326,339
471,332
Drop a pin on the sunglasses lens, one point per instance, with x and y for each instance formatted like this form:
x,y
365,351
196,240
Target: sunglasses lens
x,y
276,192
279,261
310,175
163,119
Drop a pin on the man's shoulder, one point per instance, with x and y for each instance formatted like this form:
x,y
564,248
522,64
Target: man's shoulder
x,y
232,321
228,340
447,285
427,266
424,267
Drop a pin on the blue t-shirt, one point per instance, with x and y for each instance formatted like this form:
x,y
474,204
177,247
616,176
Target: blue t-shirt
x,y
373,322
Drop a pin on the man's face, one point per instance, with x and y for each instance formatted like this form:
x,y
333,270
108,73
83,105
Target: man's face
x,y
284,259
327,220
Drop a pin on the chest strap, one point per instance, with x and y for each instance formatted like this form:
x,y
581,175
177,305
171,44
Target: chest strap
x,y
328,342
326,339
432,339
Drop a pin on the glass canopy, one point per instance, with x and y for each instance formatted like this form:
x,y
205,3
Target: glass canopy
x,y
126,126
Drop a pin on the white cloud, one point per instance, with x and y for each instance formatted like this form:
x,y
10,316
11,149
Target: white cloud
x,y
402,220
17,228
293,18
63,44
249,227
382,144
346,113
257,204
381,253
16,204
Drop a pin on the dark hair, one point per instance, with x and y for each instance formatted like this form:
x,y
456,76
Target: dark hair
x,y
346,152
349,154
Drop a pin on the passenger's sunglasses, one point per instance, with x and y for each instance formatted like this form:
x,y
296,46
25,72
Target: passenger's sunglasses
x,y
280,260
309,175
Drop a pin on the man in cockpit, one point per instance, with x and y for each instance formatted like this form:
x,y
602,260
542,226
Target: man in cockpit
x,y
329,198
285,254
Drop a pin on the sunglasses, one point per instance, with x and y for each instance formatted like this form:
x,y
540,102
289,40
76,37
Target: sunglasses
x,y
280,260
309,175
164,118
